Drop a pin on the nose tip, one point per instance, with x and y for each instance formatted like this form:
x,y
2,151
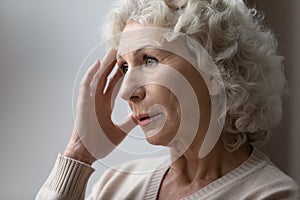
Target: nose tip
x,y
133,93
132,88
138,94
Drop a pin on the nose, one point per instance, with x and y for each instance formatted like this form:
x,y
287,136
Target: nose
x,y
138,94
132,88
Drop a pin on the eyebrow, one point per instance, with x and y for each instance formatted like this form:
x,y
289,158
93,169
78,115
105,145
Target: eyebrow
x,y
138,50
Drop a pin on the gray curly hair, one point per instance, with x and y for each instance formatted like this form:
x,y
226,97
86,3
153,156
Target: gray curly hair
x,y
244,50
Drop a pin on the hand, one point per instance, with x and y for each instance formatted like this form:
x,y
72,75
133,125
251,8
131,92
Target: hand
x,y
94,134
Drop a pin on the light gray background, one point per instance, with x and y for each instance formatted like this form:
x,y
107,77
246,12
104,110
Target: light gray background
x,y
42,44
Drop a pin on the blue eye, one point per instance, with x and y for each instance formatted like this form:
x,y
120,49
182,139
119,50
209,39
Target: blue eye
x,y
149,60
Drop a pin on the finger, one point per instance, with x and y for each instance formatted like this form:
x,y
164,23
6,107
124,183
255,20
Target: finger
x,y
114,84
113,88
106,67
109,57
88,76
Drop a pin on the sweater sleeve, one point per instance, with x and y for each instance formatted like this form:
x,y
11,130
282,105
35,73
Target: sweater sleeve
x,y
67,180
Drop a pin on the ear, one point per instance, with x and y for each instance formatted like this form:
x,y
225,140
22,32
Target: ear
x,y
214,87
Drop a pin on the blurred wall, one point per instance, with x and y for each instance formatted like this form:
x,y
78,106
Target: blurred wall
x,y
42,44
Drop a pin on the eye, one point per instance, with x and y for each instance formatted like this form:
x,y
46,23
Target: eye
x,y
124,68
149,60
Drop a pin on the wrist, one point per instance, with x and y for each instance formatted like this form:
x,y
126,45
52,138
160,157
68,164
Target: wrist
x,y
76,150
82,157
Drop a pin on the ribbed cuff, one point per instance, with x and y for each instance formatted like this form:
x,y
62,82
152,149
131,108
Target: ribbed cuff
x,y
69,178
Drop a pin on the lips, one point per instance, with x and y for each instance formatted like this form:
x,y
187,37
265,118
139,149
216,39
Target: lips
x,y
145,119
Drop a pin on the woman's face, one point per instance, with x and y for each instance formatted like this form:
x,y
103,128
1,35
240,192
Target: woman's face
x,y
155,107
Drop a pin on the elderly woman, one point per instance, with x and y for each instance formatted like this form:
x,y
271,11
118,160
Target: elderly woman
x,y
202,78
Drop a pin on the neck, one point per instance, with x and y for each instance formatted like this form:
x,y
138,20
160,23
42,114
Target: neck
x,y
190,169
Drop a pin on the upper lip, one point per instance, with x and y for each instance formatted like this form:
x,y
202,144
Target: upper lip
x,y
141,117
144,116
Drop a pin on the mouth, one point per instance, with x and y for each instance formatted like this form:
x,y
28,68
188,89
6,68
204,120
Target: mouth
x,y
146,119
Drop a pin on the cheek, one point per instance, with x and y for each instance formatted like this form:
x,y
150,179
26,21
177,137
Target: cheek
x,y
166,98
173,106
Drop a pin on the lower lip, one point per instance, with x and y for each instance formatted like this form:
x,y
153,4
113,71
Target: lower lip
x,y
147,121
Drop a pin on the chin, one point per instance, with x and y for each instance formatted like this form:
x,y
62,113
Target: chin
x,y
153,141
156,140
161,137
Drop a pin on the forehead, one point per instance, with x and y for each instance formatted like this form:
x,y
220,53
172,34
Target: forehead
x,y
140,38
136,37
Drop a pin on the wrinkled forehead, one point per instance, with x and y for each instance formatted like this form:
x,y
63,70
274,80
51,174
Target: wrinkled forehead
x,y
160,38
136,38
